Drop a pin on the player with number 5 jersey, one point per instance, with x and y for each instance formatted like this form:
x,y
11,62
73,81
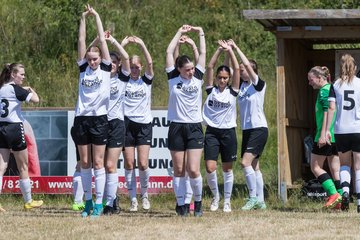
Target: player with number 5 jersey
x,y
344,97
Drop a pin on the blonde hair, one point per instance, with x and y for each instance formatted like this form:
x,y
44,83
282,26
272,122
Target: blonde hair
x,y
321,72
347,68
135,58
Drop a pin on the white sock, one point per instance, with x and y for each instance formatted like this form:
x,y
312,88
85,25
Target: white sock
x,y
357,184
228,185
345,176
197,185
1,181
25,188
188,189
250,180
86,179
259,186
179,189
144,182
112,180
130,179
213,184
100,178
78,190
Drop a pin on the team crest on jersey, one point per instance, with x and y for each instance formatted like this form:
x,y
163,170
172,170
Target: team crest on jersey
x,y
114,90
190,89
137,94
244,96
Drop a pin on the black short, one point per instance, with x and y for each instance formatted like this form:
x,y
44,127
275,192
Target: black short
x,y
183,136
137,133
12,136
116,137
90,130
254,140
348,142
221,141
327,150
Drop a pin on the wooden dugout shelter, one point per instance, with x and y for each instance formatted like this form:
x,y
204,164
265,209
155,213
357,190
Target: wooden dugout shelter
x,y
298,34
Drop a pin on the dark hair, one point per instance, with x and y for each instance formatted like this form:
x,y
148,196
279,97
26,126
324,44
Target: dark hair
x,y
254,65
8,69
115,55
223,68
181,61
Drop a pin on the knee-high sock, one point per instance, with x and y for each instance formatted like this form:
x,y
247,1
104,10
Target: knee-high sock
x,y
78,190
250,180
197,185
345,178
228,185
327,183
213,184
357,185
179,189
100,178
86,179
25,188
112,180
144,182
131,183
259,186
188,189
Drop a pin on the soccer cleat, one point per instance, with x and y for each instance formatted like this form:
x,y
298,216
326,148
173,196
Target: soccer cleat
x,y
177,209
145,203
116,206
333,200
108,210
87,208
181,211
260,205
78,206
198,209
214,206
250,204
133,206
337,206
98,209
227,207
33,204
187,208
1,209
345,201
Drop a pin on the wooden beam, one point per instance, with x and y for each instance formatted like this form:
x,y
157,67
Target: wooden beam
x,y
297,123
326,32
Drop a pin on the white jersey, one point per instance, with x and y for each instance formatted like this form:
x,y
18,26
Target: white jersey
x,y
185,96
220,108
94,89
251,104
11,96
138,99
347,99
117,95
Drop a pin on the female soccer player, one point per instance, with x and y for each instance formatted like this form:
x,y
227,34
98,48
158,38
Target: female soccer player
x,y
344,97
319,78
184,112
219,114
138,124
254,128
12,135
90,130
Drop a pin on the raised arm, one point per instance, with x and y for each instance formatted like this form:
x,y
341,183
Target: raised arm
x,y
202,46
149,63
34,98
100,31
125,63
184,39
210,67
172,45
235,65
247,65
82,35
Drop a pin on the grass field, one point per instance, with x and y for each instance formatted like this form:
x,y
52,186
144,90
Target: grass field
x,y
298,219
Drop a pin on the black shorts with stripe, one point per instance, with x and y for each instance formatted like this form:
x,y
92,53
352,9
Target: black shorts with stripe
x,y
254,140
12,136
347,142
116,137
327,150
90,130
221,141
183,136
137,133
